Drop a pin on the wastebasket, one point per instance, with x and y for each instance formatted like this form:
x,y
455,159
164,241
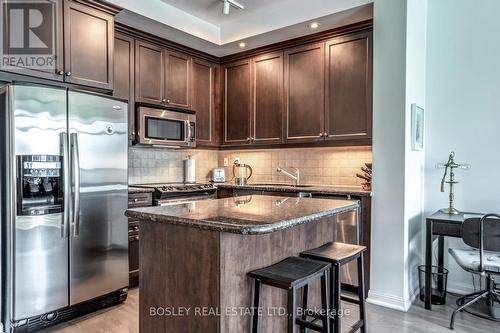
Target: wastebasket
x,y
439,281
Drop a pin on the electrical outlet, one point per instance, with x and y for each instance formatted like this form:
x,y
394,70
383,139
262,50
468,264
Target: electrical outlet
x,y
226,161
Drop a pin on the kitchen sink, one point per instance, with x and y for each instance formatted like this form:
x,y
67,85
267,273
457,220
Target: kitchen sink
x,y
282,185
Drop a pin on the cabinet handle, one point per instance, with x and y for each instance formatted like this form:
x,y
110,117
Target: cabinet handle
x,y
168,101
136,228
325,135
68,74
248,138
136,238
251,138
320,135
136,200
164,100
60,72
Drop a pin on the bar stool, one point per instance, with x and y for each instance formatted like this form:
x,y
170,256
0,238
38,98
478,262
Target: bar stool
x,y
339,254
291,274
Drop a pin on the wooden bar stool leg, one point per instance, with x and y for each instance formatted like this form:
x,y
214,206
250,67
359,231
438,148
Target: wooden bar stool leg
x,y
361,292
256,305
305,294
324,303
336,298
291,310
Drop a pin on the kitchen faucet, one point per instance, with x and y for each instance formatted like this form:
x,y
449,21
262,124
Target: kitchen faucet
x,y
295,178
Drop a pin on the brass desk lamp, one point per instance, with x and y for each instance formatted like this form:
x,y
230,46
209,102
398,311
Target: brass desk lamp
x,y
451,166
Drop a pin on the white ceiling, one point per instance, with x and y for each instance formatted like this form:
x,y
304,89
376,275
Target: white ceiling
x,y
200,23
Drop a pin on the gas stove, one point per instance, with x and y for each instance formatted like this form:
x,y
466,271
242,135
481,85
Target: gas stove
x,y
173,192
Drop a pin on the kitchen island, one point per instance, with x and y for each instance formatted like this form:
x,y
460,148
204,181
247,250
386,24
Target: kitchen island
x,y
195,258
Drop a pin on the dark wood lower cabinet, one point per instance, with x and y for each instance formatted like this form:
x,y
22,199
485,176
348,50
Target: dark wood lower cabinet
x,y
135,200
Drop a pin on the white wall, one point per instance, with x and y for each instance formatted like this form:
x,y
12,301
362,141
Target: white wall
x,y
463,109
389,66
399,81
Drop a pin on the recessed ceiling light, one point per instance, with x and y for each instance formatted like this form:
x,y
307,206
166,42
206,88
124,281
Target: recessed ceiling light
x,y
242,45
313,25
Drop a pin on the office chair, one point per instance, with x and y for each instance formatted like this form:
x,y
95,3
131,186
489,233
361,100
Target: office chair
x,y
483,235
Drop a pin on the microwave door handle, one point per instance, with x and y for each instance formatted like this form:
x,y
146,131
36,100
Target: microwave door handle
x,y
75,156
188,130
67,185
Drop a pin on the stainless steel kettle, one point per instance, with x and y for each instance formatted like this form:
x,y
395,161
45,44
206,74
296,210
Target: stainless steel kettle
x,y
240,173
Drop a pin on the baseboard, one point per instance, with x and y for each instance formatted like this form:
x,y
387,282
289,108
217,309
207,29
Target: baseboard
x,y
391,301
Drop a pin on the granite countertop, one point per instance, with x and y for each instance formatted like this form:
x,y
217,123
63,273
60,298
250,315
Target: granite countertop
x,y
252,214
132,189
317,189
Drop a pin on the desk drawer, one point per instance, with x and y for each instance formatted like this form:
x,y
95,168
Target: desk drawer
x,y
449,229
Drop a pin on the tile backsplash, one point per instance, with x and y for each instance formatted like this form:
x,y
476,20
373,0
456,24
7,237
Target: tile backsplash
x,y
327,166
161,165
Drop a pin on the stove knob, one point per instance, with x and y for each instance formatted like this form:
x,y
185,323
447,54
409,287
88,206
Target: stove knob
x,y
170,188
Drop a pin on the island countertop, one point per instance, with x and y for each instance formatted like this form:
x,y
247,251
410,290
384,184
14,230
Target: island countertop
x,y
255,214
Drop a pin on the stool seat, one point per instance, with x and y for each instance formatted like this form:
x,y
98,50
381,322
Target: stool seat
x,y
291,272
335,252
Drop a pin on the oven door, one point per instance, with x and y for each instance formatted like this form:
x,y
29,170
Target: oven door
x,y
166,127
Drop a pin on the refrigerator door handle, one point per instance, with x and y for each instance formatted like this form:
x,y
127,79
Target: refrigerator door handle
x,y
67,185
75,157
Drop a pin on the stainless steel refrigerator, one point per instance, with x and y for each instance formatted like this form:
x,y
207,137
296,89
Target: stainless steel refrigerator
x,y
64,193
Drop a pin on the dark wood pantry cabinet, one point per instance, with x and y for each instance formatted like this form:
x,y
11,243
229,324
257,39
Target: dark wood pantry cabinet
x,y
83,45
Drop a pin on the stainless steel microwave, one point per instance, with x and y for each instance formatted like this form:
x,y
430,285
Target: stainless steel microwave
x,y
166,127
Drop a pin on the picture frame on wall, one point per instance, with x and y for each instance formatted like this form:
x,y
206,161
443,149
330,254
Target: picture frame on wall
x,y
417,127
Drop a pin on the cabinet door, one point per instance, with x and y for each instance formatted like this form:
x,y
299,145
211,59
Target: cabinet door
x,y
51,53
349,87
149,73
202,100
237,99
267,86
124,76
177,79
304,93
88,46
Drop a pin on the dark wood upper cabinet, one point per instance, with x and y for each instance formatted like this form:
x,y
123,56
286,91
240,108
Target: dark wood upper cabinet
x,y
149,73
267,106
237,102
304,93
177,79
54,71
124,76
88,46
203,101
349,87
